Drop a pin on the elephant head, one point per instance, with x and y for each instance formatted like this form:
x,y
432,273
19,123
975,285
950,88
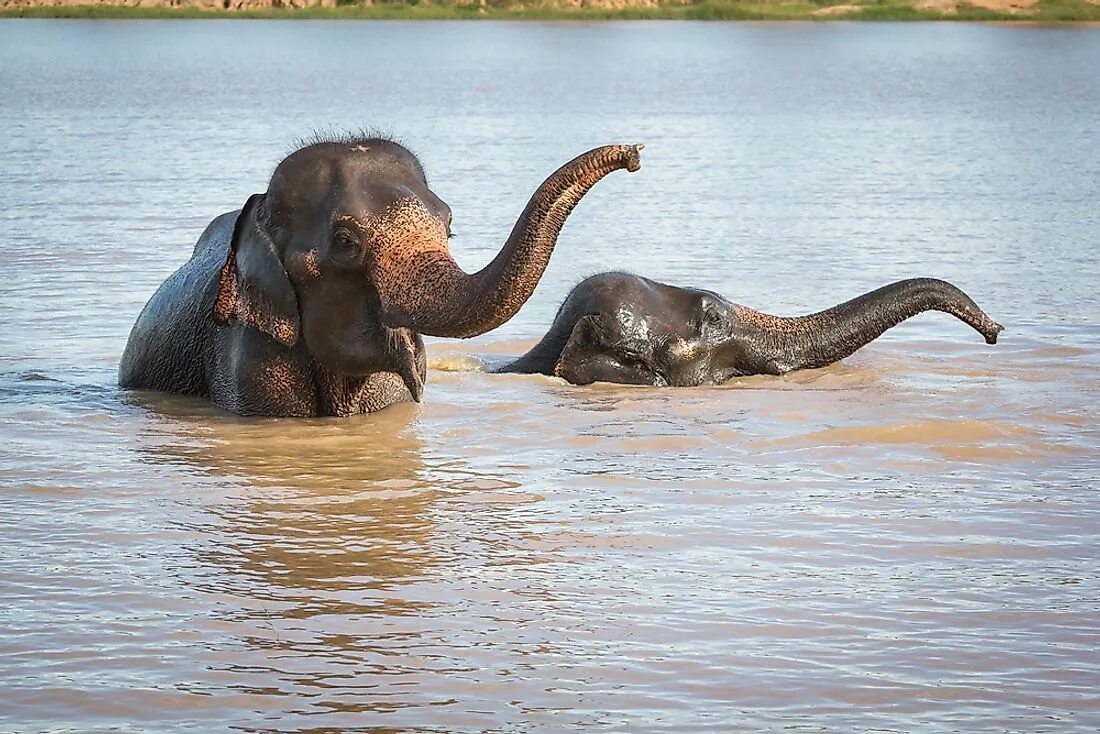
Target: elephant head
x,y
347,251
616,327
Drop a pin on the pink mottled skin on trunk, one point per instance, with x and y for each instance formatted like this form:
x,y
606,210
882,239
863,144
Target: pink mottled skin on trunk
x,y
423,288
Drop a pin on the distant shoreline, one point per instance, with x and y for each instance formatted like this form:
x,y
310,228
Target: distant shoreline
x,y
1013,11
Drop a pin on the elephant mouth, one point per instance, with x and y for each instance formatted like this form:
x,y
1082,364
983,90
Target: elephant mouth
x,y
360,347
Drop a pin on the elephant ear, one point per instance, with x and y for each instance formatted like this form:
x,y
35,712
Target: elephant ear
x,y
253,286
592,355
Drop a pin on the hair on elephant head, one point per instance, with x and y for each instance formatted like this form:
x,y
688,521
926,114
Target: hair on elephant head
x,y
616,327
312,298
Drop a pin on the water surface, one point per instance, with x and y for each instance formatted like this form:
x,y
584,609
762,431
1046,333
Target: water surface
x,y
905,541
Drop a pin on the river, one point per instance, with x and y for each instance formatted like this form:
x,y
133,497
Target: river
x,y
907,541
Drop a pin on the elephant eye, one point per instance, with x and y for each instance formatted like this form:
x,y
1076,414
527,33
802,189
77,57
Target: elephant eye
x,y
344,242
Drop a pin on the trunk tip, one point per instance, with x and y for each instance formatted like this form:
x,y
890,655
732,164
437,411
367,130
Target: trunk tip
x,y
415,385
991,335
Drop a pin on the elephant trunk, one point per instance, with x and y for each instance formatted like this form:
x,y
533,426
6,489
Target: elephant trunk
x,y
439,299
803,342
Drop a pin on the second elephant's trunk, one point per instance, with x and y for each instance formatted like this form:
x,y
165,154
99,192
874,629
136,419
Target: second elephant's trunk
x,y
803,342
439,299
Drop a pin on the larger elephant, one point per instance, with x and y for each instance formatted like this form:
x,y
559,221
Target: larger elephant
x,y
618,327
312,298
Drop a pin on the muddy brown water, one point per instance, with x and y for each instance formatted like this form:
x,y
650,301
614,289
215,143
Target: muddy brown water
x,y
903,542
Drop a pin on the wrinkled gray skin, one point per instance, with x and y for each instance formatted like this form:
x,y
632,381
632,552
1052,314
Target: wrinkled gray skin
x,y
616,327
311,299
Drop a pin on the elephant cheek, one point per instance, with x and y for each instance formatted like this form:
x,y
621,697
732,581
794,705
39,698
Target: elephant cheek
x,y
339,334
305,266
688,363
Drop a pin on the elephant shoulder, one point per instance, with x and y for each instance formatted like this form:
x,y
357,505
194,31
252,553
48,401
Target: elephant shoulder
x,y
166,344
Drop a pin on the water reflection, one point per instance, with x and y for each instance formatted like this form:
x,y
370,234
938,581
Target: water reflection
x,y
351,454
328,514
345,566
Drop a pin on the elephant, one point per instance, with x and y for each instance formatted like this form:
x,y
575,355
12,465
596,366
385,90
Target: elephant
x,y
623,328
312,298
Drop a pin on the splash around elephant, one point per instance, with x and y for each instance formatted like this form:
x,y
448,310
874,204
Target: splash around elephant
x,y
617,327
312,298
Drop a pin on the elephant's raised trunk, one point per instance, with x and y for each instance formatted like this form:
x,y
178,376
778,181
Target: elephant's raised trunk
x,y
439,299
802,342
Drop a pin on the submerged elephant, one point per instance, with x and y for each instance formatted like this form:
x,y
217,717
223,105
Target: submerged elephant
x,y
616,327
312,298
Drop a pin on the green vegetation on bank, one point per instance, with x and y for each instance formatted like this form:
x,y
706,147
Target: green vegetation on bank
x,y
893,10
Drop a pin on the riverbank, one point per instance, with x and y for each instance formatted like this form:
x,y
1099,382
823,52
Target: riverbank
x,y
875,10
